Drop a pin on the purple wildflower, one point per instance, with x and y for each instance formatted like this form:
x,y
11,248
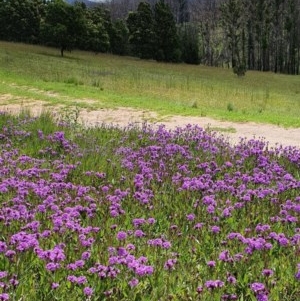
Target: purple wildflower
x,y
151,220
211,263
13,281
169,264
190,217
133,282
166,245
52,266
121,235
297,275
88,291
267,272
54,285
199,289
262,297
257,287
215,229
72,278
81,280
139,233
198,226
231,279
85,255
4,297
130,247
211,284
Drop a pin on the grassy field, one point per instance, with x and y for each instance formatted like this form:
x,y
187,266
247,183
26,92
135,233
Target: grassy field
x,y
106,81
145,214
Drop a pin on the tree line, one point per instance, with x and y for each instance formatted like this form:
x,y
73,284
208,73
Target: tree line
x,y
240,34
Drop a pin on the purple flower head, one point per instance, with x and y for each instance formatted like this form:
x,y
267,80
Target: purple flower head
x,y
13,281
4,297
190,217
142,259
108,293
88,291
137,222
215,229
173,227
3,247
105,189
166,245
283,241
198,226
79,263
155,242
262,297
224,255
10,254
297,275
151,220
72,278
139,233
219,283
169,264
113,227
133,282
144,270
226,212
130,247
111,250
81,280
257,287
268,246
52,266
199,289
211,284
121,235
85,255
211,263
210,209
231,279
267,272
122,252
54,285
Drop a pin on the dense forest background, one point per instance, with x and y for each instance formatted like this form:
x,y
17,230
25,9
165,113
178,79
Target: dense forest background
x,y
240,34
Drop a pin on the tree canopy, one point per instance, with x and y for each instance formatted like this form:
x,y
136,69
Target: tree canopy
x,y
243,35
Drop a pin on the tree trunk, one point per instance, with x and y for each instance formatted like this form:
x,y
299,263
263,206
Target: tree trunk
x,y
62,49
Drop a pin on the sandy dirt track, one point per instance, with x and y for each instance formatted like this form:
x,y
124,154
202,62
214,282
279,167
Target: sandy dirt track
x,y
123,116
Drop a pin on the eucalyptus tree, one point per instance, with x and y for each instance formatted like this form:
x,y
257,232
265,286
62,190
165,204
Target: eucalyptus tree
x,y
233,21
166,37
63,25
142,31
189,43
98,25
292,41
119,37
20,20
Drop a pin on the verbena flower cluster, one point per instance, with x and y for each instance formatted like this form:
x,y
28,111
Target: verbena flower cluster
x,y
145,214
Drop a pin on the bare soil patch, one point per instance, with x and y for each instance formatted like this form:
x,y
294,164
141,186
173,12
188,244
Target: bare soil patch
x,y
122,117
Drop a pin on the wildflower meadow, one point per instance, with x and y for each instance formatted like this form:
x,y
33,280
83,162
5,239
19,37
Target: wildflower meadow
x,y
145,213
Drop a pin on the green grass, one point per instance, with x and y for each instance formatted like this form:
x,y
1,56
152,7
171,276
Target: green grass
x,y
107,81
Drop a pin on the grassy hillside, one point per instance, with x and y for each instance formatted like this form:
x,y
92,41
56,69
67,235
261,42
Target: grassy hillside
x,y
33,72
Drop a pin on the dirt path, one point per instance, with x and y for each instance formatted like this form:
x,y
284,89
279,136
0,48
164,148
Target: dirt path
x,y
123,116
234,131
